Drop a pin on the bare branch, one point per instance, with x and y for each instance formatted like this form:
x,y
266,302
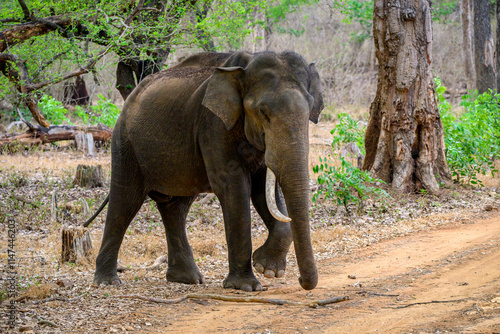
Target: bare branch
x,y
86,69
238,299
134,13
12,19
22,81
49,62
22,32
25,9
50,24
432,302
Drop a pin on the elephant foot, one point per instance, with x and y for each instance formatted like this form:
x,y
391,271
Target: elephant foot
x,y
270,262
106,279
245,283
186,276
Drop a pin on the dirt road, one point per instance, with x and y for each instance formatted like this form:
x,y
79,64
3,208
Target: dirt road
x,y
445,280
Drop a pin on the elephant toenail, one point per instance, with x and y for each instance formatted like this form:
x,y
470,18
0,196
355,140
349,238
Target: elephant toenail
x,y
269,273
259,268
280,273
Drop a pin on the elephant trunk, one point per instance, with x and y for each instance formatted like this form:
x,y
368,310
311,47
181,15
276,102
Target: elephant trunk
x,y
293,178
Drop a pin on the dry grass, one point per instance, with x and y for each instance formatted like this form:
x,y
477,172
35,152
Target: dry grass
x,y
38,291
492,181
52,162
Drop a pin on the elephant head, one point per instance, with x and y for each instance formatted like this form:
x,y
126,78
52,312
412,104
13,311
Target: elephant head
x,y
278,95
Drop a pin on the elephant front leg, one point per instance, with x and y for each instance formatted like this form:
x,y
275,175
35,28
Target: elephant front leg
x,y
235,202
270,258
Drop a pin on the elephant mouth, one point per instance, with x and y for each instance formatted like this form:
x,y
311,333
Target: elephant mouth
x,y
271,197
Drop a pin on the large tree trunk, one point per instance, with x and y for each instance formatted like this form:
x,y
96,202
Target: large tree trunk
x,y
498,44
484,49
470,72
404,139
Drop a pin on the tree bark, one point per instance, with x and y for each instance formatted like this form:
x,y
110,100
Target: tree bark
x,y
470,72
76,244
22,32
484,50
404,138
498,44
89,176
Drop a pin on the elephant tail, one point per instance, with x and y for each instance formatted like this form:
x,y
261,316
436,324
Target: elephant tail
x,y
87,223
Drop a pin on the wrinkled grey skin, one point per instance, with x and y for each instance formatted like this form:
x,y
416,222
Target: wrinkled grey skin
x,y
214,123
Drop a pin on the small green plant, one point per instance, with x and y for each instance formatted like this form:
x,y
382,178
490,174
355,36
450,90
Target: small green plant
x,y
53,110
345,184
82,115
473,139
105,112
348,131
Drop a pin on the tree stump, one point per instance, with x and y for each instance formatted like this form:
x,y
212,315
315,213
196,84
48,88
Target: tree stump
x,y
89,176
85,143
76,244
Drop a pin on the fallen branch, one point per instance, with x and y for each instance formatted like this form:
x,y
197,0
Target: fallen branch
x,y
24,200
159,261
61,299
39,135
46,322
376,294
250,299
432,302
208,198
154,300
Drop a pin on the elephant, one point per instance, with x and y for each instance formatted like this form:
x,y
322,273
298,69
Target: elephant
x,y
235,124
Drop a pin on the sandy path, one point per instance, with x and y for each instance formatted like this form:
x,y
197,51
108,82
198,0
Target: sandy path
x,y
457,262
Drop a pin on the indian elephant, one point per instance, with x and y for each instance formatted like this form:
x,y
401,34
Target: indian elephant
x,y
218,122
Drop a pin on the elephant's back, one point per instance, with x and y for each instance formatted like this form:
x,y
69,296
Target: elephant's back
x,y
159,120
194,70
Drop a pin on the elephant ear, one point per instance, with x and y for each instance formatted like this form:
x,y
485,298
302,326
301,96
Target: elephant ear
x,y
315,91
224,94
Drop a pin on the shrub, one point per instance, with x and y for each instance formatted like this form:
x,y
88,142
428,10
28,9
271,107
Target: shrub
x,y
473,139
345,183
53,110
104,112
348,131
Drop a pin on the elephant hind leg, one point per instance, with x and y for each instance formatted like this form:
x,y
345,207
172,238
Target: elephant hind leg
x,y
126,196
181,265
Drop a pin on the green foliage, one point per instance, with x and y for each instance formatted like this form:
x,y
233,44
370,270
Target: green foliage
x,y
348,131
345,183
53,110
360,12
473,139
104,112
99,27
442,10
231,21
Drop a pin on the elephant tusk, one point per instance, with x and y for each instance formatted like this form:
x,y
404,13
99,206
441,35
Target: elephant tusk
x,y
271,197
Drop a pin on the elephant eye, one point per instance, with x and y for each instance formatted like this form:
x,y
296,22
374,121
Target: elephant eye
x,y
263,111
